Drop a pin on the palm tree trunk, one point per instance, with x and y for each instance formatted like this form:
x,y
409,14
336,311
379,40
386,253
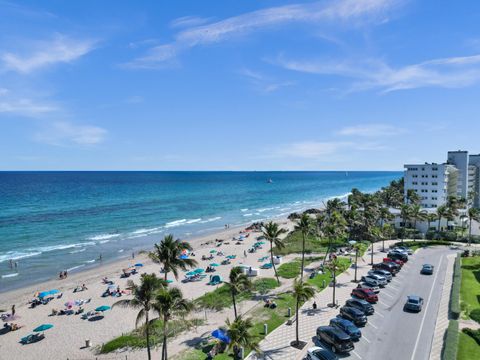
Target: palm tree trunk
x,y
439,220
273,264
334,285
166,274
296,321
356,258
371,263
234,304
303,257
328,251
147,330
470,233
164,345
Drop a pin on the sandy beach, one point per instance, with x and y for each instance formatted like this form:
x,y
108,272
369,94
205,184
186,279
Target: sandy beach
x,y
67,338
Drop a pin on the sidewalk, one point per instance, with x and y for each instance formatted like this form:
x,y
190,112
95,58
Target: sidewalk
x,y
443,310
277,344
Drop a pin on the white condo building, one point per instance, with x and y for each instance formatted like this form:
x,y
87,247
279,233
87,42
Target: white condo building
x,y
434,183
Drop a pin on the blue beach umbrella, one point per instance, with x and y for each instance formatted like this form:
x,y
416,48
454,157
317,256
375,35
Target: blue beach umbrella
x,y
183,257
198,271
43,294
191,273
214,264
54,291
43,327
139,265
102,308
220,335
169,281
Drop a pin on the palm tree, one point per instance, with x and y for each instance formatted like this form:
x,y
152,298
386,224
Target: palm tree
x,y
357,246
272,233
169,254
442,212
169,303
333,227
431,218
304,225
416,213
375,235
301,292
238,282
240,334
334,267
405,211
143,299
473,214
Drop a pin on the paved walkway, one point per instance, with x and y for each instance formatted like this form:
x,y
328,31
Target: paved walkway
x,y
277,344
443,311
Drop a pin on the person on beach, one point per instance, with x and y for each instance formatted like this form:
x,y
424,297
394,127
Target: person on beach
x,y
16,264
133,255
13,310
314,306
11,264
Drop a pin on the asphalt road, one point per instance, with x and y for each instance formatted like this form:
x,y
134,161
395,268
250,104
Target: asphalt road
x,y
392,333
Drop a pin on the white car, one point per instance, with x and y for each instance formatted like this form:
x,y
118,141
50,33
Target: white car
x,y
319,353
375,289
370,280
404,249
382,281
383,273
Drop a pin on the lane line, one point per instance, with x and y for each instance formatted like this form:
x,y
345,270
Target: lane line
x,y
353,351
365,338
390,296
379,314
426,309
381,302
393,286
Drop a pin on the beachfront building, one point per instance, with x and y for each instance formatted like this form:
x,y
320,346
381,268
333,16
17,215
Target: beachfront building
x,y
434,183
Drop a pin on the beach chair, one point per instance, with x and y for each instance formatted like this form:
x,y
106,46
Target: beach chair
x,y
266,266
215,280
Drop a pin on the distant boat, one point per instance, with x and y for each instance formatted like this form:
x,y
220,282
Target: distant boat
x,y
269,181
346,173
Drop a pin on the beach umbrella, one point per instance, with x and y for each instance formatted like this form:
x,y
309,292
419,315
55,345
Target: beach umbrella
x,y
169,281
112,286
213,251
139,265
54,291
231,257
198,271
261,242
102,308
191,273
214,264
43,294
183,257
221,335
43,327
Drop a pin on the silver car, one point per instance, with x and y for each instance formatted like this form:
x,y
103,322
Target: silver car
x,y
383,273
382,281
375,289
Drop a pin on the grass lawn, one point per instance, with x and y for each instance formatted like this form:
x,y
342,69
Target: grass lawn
x,y
221,297
468,349
291,269
470,288
326,276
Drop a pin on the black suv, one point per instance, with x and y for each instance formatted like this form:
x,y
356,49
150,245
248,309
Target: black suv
x,y
390,267
354,315
338,340
398,256
361,305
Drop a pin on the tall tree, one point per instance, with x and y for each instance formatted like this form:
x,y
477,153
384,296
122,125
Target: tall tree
x,y
334,267
170,303
238,282
240,333
442,212
272,233
333,228
143,299
412,197
473,215
304,226
405,213
431,217
169,254
301,292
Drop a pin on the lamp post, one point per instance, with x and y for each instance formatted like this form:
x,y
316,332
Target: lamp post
x,y
353,242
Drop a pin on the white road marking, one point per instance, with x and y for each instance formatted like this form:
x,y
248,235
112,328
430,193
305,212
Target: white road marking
x,y
353,351
390,296
381,302
379,314
393,286
426,308
373,325
365,338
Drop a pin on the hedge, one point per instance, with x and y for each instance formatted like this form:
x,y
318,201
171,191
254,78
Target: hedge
x,y
451,341
455,294
475,334
475,315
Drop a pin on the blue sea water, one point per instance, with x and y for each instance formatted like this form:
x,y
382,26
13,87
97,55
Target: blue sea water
x,y
53,221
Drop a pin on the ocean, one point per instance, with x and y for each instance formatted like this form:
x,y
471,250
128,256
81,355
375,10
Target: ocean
x,y
55,221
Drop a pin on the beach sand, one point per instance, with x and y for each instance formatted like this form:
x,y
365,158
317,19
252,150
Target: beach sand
x,y
66,340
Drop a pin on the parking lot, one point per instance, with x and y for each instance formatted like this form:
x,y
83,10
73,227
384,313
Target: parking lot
x,y
392,333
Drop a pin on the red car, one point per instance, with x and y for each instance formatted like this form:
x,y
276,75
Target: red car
x,y
398,262
365,294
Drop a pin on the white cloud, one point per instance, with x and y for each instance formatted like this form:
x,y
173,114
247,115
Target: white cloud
x,y
453,72
371,130
263,83
188,21
312,149
60,49
63,133
24,107
345,11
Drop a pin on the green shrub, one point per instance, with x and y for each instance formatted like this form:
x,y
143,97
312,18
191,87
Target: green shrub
x,y
475,334
475,315
455,292
451,341
263,286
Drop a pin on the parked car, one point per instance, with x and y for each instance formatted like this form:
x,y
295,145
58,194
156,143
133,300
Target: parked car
x,y
335,338
347,326
390,267
414,303
427,269
380,279
319,353
370,281
362,305
354,315
375,289
404,249
386,274
395,255
365,294
397,262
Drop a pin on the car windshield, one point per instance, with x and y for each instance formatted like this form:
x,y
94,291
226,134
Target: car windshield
x,y
413,301
351,328
324,354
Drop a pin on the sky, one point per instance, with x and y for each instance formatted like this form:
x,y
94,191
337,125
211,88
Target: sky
x,y
237,85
